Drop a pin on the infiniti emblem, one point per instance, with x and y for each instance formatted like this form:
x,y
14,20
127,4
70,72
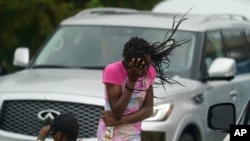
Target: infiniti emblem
x,y
46,116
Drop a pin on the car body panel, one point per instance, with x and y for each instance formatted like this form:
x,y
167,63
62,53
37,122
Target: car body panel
x,y
53,80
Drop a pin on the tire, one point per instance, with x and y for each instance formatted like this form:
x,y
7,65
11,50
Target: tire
x,y
186,137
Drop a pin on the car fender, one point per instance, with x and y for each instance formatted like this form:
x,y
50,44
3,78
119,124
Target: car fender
x,y
187,120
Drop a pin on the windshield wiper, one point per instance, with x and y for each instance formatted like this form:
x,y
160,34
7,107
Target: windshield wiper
x,y
94,67
67,67
50,66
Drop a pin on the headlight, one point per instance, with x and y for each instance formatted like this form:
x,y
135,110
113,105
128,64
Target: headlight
x,y
161,112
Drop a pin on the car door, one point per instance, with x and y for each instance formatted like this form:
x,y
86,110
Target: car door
x,y
236,47
217,91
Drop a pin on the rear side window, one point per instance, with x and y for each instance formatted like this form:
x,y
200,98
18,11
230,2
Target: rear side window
x,y
236,47
213,47
248,38
248,42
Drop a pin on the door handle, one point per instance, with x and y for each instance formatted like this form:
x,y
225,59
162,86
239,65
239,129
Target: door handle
x,y
233,94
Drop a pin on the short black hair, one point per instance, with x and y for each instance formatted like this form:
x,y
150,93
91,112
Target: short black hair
x,y
67,124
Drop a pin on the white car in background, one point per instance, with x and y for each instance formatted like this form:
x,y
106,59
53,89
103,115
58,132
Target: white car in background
x,y
205,7
65,75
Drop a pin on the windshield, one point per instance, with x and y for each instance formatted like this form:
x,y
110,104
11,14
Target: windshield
x,y
94,47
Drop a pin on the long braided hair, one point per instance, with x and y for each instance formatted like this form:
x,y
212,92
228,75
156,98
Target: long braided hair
x,y
159,51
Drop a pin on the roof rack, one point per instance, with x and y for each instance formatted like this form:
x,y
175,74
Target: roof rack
x,y
228,16
106,10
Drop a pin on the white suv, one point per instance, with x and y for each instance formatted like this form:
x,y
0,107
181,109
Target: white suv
x,y
65,74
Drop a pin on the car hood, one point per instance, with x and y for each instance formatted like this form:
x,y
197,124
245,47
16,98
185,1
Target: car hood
x,y
75,81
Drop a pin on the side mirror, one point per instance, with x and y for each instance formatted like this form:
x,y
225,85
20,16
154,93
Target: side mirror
x,y
221,116
21,57
222,69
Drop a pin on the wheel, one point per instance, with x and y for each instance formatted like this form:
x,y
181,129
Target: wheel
x,y
186,137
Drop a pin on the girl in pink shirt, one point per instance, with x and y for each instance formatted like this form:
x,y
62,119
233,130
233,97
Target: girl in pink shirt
x,y
128,94
129,88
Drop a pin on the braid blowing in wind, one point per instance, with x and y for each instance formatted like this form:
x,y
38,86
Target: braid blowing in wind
x,y
159,51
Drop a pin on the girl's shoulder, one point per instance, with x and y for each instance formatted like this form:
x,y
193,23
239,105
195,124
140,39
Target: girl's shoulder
x,y
152,70
116,66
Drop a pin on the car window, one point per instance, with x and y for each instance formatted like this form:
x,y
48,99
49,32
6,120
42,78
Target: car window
x,y
96,46
237,49
247,120
244,118
213,47
248,46
248,38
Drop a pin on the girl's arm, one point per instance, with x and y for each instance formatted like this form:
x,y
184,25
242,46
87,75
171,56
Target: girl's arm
x,y
119,100
140,115
145,112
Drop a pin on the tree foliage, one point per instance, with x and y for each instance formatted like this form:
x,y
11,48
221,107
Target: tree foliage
x,y
29,22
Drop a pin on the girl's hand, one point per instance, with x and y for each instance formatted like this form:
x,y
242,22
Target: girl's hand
x,y
108,119
137,68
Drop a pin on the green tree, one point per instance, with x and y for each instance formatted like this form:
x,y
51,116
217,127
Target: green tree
x,y
29,22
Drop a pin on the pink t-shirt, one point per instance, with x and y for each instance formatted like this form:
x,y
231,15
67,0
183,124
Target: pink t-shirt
x,y
116,74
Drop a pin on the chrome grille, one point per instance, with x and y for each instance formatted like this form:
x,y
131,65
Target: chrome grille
x,y
21,116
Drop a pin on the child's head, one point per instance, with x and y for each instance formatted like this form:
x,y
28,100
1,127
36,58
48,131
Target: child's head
x,y
137,48
66,125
